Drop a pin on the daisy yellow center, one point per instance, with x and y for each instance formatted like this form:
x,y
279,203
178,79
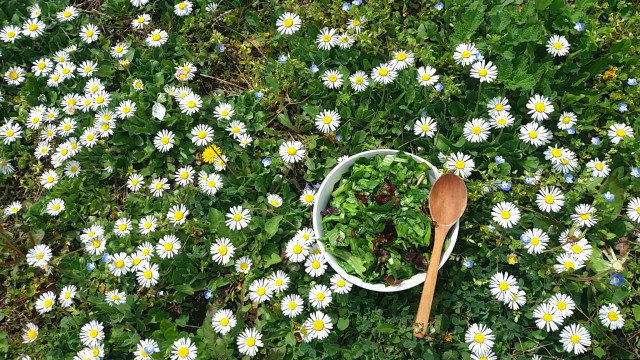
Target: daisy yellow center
x,y
156,37
320,296
96,243
237,217
533,134
192,104
261,291
224,322
547,317
575,338
425,127
165,140
11,34
356,22
274,203
306,237
318,325
202,134
326,38
540,107
66,70
41,66
292,151
288,22
39,256
568,265
561,305
119,49
584,216
326,119
426,77
557,46
359,80
183,352
476,130
556,152
460,164
178,215
134,182
143,353
64,151
145,251
93,333
293,305
499,107
168,246
67,14
621,132
120,264
67,127
159,186
93,88
345,39
505,214
148,274
140,20
48,303
96,352
401,56
224,113
56,207
279,282
383,72
504,286
479,338
535,241
126,110
549,199
466,54
13,75
235,129
33,27
333,78
35,120
87,69
49,133
184,175
136,261
67,295
212,183
315,264
297,249
244,266
50,179
566,120
32,334
251,342
57,77
599,166
308,198
89,33
341,283
482,72
182,6
613,316
115,297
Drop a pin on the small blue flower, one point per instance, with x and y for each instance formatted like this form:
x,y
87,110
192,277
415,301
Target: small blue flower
x,y
356,2
338,137
424,113
346,6
438,87
314,68
149,350
595,140
529,180
283,59
579,26
491,227
266,162
622,107
571,130
106,257
479,57
505,185
160,293
259,94
439,6
316,186
221,47
568,178
635,172
616,280
207,294
499,160
632,81
525,239
91,266
467,263
609,196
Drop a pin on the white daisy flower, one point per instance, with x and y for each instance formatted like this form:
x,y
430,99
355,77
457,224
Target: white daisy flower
x,y
598,168
41,67
45,302
535,134
147,274
550,199
359,81
617,132
567,120
327,121
72,169
238,218
558,46
279,281
345,41
291,151
66,296
156,38
563,304
184,175
479,338
539,107
288,23
332,79
308,196
611,317
425,127
501,119
92,333
633,209
402,59
536,240
15,75
183,8
476,130
126,109
10,33
223,111
498,104
190,104
168,246
567,262
115,297
202,135
177,214
485,71
211,184
503,286
260,291
147,224
141,21
39,255
12,208
249,342
546,317
384,74
243,265
575,339
145,348
584,215
164,140
292,305
89,33
320,296
184,349
461,164
33,27
96,246
315,265
427,76
223,321
518,299
339,285
327,39
236,128
244,140
274,200
55,207
465,54
356,24
506,214
135,182
319,325
120,264
580,249
296,250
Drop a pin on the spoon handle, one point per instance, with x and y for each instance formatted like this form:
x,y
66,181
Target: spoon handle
x,y
424,309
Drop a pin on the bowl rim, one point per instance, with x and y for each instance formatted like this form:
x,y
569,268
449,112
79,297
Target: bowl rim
x,y
323,198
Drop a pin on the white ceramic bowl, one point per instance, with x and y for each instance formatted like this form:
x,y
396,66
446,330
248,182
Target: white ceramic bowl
x,y
323,198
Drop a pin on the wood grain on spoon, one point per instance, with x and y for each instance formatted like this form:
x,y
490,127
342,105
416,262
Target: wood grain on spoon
x,y
447,202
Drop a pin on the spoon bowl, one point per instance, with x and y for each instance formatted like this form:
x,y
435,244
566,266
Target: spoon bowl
x,y
447,199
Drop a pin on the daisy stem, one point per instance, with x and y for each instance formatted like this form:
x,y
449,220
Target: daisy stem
x,y
475,111
223,161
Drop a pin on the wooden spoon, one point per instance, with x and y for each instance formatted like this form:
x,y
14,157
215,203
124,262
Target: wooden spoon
x,y
447,202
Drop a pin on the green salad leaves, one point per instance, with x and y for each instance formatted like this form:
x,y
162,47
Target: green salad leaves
x,y
377,224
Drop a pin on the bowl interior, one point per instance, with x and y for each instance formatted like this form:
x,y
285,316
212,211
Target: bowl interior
x,y
323,198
